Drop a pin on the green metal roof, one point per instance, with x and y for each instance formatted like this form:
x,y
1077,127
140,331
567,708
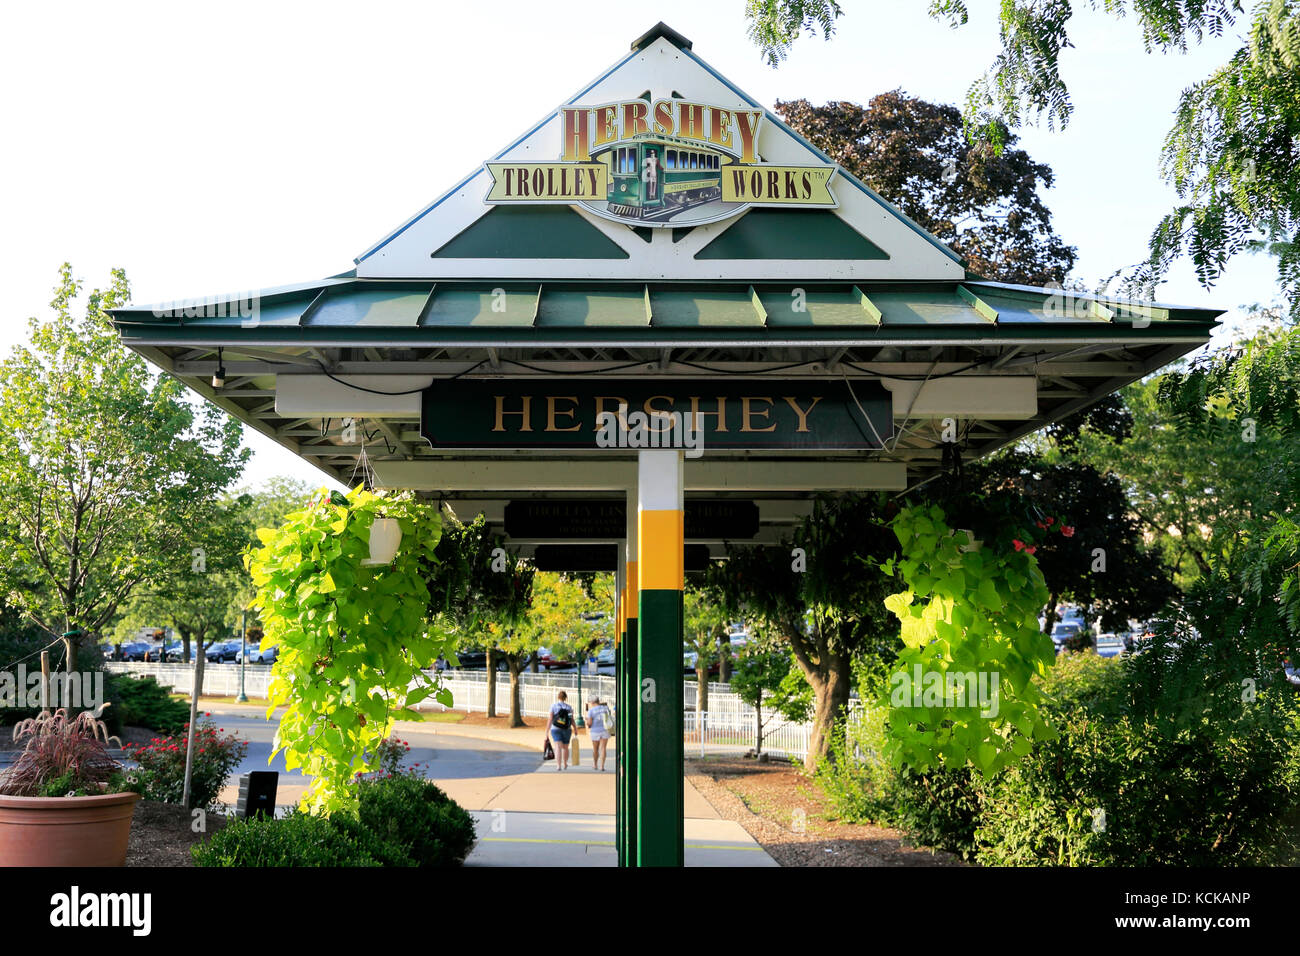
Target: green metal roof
x,y
413,311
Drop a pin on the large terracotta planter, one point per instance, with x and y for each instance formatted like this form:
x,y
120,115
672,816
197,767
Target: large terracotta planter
x,y
66,831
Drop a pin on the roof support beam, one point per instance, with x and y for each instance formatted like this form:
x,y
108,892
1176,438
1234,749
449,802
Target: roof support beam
x,y
597,474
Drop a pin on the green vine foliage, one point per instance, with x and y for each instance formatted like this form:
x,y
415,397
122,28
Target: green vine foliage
x,y
969,618
353,639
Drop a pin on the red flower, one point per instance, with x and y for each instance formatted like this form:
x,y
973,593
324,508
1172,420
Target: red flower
x,y
1018,543
1050,520
1040,524
1030,550
1067,530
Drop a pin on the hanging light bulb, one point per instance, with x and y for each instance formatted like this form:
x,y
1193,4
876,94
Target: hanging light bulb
x,y
219,376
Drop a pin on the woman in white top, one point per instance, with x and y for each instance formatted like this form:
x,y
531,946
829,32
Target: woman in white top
x,y
598,731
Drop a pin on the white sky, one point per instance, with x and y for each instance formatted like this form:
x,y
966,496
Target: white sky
x,y
245,145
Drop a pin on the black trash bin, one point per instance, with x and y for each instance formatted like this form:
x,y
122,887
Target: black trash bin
x,y
257,794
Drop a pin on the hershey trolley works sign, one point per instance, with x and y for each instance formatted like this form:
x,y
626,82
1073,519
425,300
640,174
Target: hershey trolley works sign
x,y
666,163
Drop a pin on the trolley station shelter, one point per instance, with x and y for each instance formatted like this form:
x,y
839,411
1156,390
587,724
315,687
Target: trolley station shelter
x,y
660,241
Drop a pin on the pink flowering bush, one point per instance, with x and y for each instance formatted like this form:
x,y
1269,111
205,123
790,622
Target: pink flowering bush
x,y
389,755
162,764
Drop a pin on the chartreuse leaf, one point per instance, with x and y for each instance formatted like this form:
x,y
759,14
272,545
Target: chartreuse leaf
x,y
338,669
967,618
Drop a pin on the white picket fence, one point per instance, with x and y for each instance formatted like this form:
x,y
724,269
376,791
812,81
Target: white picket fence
x,y
729,725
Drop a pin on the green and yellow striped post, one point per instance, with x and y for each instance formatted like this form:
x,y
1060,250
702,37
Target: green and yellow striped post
x,y
658,688
626,718
620,643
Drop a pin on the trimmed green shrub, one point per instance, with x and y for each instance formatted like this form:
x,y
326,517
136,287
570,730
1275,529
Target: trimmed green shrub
x,y
300,839
403,820
143,702
938,808
1154,765
852,775
409,813
1122,786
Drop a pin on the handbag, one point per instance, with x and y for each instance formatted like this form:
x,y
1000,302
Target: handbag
x,y
609,721
548,752
574,751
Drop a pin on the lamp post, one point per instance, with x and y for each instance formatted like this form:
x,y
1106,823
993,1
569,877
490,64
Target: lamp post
x,y
242,698
579,722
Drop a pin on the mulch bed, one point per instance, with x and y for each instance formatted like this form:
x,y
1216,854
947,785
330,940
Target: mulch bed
x,y
787,814
162,834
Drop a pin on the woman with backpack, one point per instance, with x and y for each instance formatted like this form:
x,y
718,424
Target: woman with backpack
x,y
559,727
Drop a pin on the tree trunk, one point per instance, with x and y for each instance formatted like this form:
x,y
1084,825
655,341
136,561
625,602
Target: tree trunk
x,y
724,669
189,740
702,697
491,682
1049,619
758,726
516,709
831,701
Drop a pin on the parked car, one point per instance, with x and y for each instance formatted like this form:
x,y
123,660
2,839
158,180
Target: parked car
x,y
472,658
690,662
550,661
1062,631
135,651
1135,641
223,651
258,656
1109,645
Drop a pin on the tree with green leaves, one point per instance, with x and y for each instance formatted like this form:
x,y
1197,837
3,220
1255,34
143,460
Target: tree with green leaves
x,y
985,204
704,633
774,25
1099,560
1191,489
109,468
479,591
569,616
201,598
821,592
764,676
269,503
1230,154
1252,391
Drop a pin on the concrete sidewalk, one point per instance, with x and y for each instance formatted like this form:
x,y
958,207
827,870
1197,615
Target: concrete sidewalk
x,y
527,812
508,838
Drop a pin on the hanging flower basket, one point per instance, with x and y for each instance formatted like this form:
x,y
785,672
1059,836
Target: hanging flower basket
x,y
385,536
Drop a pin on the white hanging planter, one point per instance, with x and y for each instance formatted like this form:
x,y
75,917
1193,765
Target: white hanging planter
x,y
385,536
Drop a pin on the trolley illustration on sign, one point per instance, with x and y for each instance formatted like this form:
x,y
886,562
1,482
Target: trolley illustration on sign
x,y
654,177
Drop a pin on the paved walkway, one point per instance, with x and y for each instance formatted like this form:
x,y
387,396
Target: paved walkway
x,y
527,812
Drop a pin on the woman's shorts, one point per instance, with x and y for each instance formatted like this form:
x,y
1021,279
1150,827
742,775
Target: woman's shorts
x,y
561,735
600,735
